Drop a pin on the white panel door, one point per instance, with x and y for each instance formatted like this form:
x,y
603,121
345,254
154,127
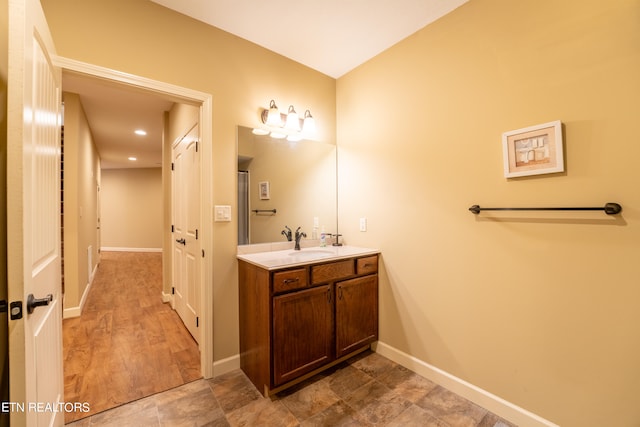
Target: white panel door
x,y
33,175
187,255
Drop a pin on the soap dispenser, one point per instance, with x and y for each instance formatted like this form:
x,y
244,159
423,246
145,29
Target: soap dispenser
x,y
323,238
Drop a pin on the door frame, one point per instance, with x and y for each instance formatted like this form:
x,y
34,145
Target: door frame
x,y
205,101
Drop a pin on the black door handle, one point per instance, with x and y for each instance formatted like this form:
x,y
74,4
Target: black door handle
x,y
183,241
33,302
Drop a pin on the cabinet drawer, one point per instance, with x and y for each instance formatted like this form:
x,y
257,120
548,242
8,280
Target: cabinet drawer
x,y
289,280
367,265
333,271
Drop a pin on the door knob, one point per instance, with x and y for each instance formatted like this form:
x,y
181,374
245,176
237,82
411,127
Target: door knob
x,y
183,241
33,302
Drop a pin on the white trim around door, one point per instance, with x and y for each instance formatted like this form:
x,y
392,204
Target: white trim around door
x,y
205,101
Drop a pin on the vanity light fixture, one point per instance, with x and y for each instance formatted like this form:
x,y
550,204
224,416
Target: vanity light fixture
x,y
289,125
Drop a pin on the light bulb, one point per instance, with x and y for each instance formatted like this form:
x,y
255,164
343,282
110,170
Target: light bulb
x,y
293,123
273,118
309,124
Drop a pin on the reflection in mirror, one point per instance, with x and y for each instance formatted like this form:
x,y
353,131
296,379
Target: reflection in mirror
x,y
296,179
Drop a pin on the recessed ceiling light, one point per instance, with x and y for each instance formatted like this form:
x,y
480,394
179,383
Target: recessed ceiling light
x,y
133,159
140,132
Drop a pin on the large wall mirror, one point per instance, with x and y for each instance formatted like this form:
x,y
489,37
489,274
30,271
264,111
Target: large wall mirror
x,y
282,183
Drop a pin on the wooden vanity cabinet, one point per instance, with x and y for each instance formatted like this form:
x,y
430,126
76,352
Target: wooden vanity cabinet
x,y
302,332
356,324
295,321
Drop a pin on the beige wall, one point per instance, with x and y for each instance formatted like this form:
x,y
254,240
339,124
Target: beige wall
x,y
539,309
142,38
81,181
131,209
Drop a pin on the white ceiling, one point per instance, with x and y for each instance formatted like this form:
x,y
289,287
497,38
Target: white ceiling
x,y
330,36
114,111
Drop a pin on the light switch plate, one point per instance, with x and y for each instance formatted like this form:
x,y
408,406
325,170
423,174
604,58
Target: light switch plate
x,y
363,224
222,213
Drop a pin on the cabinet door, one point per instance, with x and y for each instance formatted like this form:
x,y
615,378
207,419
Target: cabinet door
x,y
302,332
356,313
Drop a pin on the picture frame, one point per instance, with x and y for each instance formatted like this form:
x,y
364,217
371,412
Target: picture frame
x,y
533,150
264,191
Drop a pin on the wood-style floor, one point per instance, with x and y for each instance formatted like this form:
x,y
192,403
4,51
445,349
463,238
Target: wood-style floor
x,y
127,344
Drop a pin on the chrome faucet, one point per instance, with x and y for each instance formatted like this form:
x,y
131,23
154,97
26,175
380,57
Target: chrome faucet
x,y
299,235
287,233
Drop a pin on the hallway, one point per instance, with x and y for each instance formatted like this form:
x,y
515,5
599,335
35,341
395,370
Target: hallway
x,y
127,344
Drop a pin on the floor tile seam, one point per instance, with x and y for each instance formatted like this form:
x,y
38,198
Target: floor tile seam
x,y
441,422
339,399
362,386
433,409
210,384
157,411
462,399
369,379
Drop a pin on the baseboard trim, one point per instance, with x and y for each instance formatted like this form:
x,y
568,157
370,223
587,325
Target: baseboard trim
x,y
491,402
119,249
167,298
71,312
226,365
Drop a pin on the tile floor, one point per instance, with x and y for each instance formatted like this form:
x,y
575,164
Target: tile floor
x,y
367,390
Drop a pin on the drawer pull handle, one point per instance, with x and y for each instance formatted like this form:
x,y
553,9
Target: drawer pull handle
x,y
289,281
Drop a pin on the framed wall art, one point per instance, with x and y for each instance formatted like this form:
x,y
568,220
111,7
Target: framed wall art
x,y
533,150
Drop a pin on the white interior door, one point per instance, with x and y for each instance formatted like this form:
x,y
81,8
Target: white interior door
x,y
33,176
187,253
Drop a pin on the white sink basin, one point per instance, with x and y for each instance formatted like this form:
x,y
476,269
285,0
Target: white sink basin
x,y
310,254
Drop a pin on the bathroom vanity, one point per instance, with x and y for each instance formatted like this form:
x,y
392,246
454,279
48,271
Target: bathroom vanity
x,y
304,311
